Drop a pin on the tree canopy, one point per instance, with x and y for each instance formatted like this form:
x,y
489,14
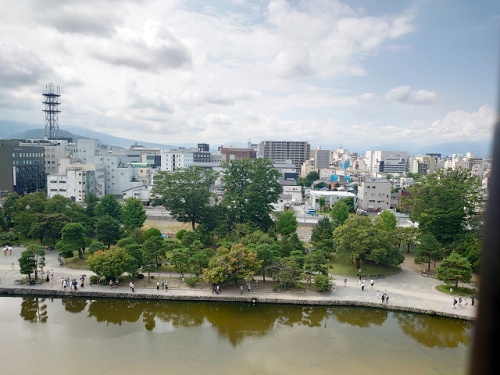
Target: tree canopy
x,y
185,193
250,188
445,203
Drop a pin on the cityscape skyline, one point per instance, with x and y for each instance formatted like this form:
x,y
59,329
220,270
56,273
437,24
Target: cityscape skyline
x,y
327,72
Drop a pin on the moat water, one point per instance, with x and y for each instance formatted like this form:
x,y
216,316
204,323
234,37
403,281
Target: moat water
x,y
75,336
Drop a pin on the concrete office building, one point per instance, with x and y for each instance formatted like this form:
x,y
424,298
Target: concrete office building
x,y
281,151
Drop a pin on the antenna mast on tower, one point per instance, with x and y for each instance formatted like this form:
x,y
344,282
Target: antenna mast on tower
x,y
51,112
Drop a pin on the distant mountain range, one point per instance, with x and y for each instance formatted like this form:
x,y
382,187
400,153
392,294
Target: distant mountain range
x,y
21,130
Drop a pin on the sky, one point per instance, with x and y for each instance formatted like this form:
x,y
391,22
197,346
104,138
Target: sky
x,y
353,73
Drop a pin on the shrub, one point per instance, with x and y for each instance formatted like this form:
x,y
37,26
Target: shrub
x,y
322,284
192,281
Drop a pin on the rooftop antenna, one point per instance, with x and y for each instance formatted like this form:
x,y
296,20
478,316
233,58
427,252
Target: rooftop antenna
x,y
51,110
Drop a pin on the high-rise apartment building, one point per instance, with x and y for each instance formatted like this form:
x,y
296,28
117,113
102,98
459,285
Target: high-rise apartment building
x,y
281,151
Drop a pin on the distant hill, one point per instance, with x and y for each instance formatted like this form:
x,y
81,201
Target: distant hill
x,y
13,129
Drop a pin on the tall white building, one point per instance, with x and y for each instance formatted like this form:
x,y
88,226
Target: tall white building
x,y
171,160
281,151
387,161
374,195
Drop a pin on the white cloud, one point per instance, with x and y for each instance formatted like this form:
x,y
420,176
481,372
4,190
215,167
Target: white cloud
x,y
403,94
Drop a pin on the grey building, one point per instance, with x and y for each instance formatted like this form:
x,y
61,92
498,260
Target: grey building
x,y
22,167
281,151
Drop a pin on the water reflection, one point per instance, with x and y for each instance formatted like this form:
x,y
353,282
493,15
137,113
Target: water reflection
x,y
237,322
431,332
34,310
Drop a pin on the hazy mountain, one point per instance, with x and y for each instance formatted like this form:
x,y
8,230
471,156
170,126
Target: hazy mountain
x,y
16,129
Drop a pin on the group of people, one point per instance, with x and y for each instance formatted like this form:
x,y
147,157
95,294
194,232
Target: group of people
x,y
361,282
460,302
7,250
215,288
164,285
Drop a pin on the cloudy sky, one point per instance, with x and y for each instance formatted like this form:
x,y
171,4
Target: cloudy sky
x,y
353,73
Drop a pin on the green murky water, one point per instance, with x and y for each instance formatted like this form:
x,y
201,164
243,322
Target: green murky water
x,y
77,336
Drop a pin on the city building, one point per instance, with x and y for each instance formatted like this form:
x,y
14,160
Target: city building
x,y
374,195
330,197
21,168
171,160
387,162
281,151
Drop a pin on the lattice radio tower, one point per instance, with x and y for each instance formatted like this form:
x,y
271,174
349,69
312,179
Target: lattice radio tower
x,y
51,111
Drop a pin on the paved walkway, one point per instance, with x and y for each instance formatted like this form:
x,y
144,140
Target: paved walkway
x,y
407,289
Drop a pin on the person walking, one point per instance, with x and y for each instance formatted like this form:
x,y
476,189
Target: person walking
x,y
157,285
249,288
377,293
345,282
241,289
383,298
371,284
386,299
454,303
472,298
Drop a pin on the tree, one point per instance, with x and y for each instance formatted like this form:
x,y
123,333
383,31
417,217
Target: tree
x,y
429,249
359,239
387,220
107,230
95,246
322,235
32,259
180,258
445,203
231,264
109,206
455,269
152,250
286,274
73,238
315,261
185,193
133,214
322,284
112,263
286,223
251,188
339,214
266,254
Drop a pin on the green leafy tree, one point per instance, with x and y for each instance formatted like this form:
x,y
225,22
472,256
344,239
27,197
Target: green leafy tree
x,y
349,201
31,260
286,223
445,203
359,239
199,258
290,244
266,254
322,284
107,230
109,206
96,246
454,269
286,274
72,239
309,179
315,261
133,215
322,235
387,220
251,188
180,258
152,250
185,193
339,213
407,237
112,263
429,249
9,208
231,264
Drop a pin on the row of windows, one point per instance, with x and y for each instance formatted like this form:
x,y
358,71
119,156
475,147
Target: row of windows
x,y
27,155
26,162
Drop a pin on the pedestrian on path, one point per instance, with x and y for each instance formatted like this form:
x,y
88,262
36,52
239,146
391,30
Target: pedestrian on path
x,y
345,282
377,293
371,284
473,297
166,285
249,288
383,298
454,303
386,299
157,285
241,289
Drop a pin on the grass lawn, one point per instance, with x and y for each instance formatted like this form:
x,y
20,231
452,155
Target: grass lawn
x,y
349,269
460,291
